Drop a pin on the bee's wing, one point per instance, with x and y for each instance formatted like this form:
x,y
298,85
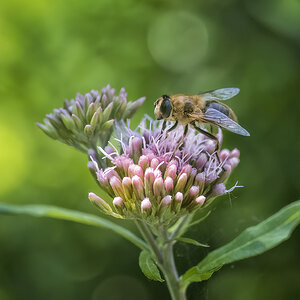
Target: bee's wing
x,y
217,118
220,94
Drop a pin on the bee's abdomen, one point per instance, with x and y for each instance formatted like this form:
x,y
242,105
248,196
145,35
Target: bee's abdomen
x,y
219,107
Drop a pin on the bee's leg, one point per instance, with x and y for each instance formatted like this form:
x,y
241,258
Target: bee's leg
x,y
163,126
172,128
209,135
186,128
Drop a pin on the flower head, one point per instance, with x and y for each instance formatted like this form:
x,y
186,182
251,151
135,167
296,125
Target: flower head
x,y
87,120
148,182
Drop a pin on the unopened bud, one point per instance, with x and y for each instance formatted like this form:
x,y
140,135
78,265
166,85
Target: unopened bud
x,y
100,203
201,161
169,185
143,162
136,145
181,183
166,200
158,187
200,200
138,187
146,204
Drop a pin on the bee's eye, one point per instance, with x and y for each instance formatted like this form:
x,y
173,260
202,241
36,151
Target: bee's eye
x,y
166,107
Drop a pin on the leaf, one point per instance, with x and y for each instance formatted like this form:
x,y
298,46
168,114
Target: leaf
x,y
71,215
252,241
148,266
191,241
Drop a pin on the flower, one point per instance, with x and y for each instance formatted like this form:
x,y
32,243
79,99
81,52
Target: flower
x,y
88,119
146,181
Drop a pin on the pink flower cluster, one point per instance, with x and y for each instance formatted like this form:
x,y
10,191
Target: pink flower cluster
x,y
146,181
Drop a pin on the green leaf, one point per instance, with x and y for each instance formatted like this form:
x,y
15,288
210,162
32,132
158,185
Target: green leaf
x,y
148,266
253,241
191,241
71,215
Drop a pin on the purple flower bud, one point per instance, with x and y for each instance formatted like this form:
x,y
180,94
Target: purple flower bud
x,y
136,145
210,146
181,182
186,169
148,182
200,200
235,153
143,162
125,164
166,200
194,191
169,185
109,150
138,171
131,169
100,203
157,173
224,154
127,187
138,187
118,202
158,187
201,161
146,204
89,131
116,186
178,197
171,171
234,161
154,163
218,190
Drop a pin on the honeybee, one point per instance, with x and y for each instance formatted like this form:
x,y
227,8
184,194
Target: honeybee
x,y
196,109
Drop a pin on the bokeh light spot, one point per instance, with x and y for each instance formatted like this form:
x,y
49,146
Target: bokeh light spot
x,y
12,159
178,41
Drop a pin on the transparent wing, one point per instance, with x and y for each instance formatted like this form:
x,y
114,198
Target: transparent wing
x,y
217,118
220,94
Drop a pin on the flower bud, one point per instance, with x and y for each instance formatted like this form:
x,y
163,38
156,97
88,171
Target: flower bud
x,y
181,183
127,187
138,187
166,200
136,145
235,153
158,187
154,163
118,202
200,200
116,185
201,161
143,162
146,205
171,171
224,154
234,161
169,184
100,203
218,190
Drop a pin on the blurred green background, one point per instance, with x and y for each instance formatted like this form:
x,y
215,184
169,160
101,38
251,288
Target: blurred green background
x,y
50,50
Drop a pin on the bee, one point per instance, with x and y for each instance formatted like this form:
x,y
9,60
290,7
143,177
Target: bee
x,y
194,110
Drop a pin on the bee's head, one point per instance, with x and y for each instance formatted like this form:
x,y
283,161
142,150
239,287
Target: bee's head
x,y
163,107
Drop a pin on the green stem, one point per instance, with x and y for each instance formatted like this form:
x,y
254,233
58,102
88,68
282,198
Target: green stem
x,y
169,267
149,238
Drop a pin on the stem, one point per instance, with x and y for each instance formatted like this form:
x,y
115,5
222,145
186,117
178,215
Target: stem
x,y
169,268
147,235
165,258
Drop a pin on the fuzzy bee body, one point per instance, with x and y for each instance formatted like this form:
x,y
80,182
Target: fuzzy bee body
x,y
203,108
